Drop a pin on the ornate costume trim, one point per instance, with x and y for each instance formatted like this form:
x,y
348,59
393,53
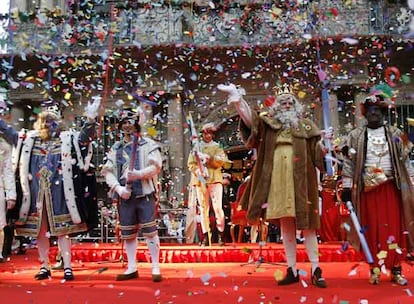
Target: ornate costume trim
x,y
16,150
79,158
68,185
27,144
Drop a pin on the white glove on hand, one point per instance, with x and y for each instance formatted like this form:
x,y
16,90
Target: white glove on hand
x,y
203,157
91,110
123,192
234,94
328,134
132,175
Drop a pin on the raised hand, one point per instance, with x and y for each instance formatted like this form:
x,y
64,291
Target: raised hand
x,y
91,110
234,94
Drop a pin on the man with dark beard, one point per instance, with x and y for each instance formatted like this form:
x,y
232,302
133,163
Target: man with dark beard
x,y
50,162
283,186
377,180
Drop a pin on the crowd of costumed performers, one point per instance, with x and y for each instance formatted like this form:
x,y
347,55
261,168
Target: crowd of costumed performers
x,y
49,188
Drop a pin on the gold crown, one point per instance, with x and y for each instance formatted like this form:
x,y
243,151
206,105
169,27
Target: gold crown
x,y
284,89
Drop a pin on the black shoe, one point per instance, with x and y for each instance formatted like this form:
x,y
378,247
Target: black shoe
x,y
317,278
43,274
290,278
205,242
221,241
156,277
129,276
397,276
21,251
68,274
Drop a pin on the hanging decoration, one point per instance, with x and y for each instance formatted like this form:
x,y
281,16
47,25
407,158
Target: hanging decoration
x,y
392,75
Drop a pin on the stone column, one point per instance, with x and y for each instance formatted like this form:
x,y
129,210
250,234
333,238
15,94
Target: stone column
x,y
19,119
333,112
177,159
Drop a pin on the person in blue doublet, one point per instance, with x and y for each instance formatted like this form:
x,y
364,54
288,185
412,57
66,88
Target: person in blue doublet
x,y
49,162
131,172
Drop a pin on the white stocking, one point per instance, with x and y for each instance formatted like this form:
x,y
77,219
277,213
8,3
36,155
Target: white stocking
x,y
43,242
131,251
153,244
288,230
254,231
65,244
311,245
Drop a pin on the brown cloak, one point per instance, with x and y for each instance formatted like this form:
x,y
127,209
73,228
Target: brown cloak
x,y
308,155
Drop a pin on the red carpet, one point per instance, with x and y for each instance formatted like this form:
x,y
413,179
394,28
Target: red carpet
x,y
195,283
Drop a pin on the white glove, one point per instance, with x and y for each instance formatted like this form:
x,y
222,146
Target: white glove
x,y
132,175
123,192
91,110
204,158
234,94
328,134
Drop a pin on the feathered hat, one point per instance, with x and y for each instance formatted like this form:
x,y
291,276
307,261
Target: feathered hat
x,y
379,96
209,128
136,114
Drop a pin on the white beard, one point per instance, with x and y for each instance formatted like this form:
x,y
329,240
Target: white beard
x,y
288,118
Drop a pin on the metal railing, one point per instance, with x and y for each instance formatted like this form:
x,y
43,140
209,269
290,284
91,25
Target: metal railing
x,y
106,231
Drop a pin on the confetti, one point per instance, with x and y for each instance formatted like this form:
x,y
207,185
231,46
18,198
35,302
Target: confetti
x,y
205,278
190,274
304,284
382,254
352,272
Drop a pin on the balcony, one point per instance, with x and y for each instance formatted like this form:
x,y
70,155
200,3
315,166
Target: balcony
x,y
96,26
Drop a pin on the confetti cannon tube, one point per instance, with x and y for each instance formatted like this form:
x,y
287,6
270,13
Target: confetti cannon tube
x,y
327,121
361,235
